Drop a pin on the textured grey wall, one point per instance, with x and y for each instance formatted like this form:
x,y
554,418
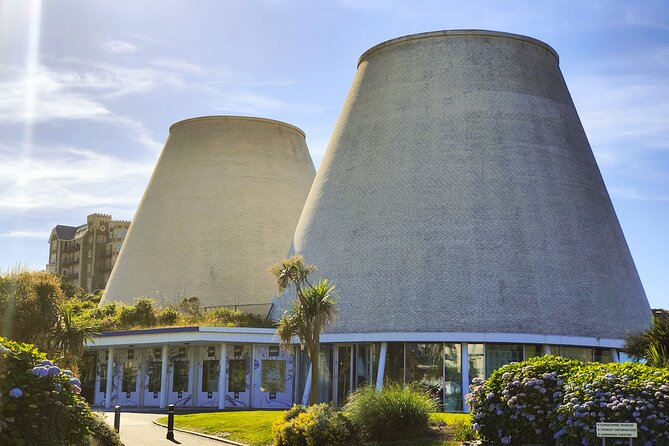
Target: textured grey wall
x,y
220,208
459,193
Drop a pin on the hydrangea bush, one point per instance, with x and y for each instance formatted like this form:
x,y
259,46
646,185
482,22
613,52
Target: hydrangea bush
x,y
514,406
318,425
552,400
39,402
617,393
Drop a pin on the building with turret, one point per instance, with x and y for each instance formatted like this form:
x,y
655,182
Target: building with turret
x,y
84,255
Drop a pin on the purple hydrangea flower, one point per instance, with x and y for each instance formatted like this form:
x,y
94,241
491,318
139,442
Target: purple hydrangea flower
x,y
40,371
68,372
54,370
16,393
506,440
46,362
75,382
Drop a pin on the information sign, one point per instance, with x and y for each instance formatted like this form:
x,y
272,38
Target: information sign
x,y
616,430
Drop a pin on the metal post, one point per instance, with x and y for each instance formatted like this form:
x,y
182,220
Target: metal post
x,y
117,418
464,353
170,422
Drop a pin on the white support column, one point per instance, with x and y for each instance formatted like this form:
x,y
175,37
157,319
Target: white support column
x,y
614,355
194,368
464,351
110,377
307,388
164,391
382,366
546,349
222,373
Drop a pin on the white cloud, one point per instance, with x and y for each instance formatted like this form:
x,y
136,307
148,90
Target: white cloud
x,y
119,46
617,108
26,234
70,178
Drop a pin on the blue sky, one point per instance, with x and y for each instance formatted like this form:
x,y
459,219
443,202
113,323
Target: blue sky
x,y
89,89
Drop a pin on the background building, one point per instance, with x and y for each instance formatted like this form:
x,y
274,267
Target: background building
x,y
84,255
220,208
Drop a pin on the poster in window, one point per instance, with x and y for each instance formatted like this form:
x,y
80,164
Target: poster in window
x,y
237,379
273,375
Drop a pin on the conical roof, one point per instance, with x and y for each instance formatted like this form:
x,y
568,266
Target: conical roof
x,y
220,208
459,193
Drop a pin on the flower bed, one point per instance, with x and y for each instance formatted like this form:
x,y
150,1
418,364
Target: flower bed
x,y
549,398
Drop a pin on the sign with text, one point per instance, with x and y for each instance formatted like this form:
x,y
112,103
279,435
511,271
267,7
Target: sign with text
x,y
616,430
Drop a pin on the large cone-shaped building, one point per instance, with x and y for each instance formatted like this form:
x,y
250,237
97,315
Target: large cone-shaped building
x,y
459,194
220,208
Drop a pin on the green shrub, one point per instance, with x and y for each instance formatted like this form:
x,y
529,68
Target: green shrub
x,y
515,405
236,318
103,433
319,425
396,412
167,316
39,403
141,314
618,393
548,398
463,431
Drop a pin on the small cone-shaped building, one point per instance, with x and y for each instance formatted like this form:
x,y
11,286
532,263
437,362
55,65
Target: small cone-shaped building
x,y
459,194
220,208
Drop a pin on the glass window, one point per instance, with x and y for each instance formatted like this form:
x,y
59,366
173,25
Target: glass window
x,y
237,379
476,362
210,369
580,353
180,376
532,351
555,350
497,355
424,365
273,375
603,355
362,371
624,357
155,370
103,378
129,377
394,371
325,374
452,378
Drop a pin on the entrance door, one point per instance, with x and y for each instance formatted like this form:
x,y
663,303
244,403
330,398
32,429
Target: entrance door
x,y
343,374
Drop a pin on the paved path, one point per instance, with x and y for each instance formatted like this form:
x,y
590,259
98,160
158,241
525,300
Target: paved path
x,y
137,429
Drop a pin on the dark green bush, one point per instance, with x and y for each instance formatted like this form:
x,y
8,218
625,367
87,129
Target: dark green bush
x,y
319,425
103,433
515,405
396,412
236,318
40,404
141,314
167,316
618,393
549,398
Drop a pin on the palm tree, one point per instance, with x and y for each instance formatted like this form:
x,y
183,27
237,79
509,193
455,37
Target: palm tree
x,y
651,345
312,310
69,337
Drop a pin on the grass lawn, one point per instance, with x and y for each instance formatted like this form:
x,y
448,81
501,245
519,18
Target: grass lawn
x,y
251,427
254,427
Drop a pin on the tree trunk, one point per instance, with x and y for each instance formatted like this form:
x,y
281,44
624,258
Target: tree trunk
x,y
314,353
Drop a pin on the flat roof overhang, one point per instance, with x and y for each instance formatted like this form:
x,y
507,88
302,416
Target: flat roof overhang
x,y
201,335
